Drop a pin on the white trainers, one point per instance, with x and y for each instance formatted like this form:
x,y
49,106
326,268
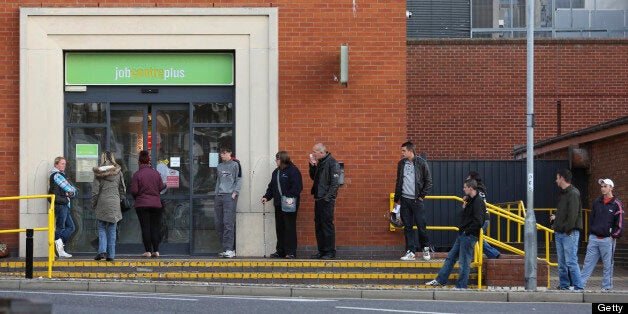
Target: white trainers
x,y
60,251
221,254
229,254
434,283
408,257
426,253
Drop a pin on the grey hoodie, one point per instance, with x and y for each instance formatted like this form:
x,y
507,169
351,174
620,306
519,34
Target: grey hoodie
x,y
107,190
228,180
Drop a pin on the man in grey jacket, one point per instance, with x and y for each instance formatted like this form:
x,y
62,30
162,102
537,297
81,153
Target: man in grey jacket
x,y
228,186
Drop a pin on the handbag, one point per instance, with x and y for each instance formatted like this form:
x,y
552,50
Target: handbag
x,y
125,205
288,204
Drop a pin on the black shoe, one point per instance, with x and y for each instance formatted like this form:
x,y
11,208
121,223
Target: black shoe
x,y
109,259
317,255
99,256
276,255
290,256
328,256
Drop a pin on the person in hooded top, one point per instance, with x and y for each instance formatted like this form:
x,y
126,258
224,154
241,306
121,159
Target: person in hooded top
x,y
108,190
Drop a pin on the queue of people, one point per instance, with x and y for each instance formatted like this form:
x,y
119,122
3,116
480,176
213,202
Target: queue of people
x,y
412,186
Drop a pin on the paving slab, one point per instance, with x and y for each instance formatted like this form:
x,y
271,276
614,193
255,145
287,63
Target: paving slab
x,y
269,291
470,295
189,289
546,296
398,294
326,293
10,284
45,284
605,297
111,286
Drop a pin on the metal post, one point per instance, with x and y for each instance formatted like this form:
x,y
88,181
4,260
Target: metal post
x,y
530,245
29,253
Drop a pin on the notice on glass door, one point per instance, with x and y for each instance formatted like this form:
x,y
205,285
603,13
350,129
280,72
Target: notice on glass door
x,y
86,160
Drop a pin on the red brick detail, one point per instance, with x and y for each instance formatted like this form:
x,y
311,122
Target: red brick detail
x,y
509,271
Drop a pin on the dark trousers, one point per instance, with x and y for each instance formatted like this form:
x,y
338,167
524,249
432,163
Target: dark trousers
x,y
286,228
324,227
413,214
150,220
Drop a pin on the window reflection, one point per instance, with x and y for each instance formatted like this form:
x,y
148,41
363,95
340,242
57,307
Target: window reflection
x,y
213,113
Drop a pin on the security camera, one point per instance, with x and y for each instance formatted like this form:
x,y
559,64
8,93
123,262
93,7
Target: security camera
x,y
408,14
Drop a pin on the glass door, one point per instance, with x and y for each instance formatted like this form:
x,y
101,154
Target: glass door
x,y
163,130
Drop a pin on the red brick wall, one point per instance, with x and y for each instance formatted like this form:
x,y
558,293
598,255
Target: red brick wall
x,y
474,91
510,272
363,124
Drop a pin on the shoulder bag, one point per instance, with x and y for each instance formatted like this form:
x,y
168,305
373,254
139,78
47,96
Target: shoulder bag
x,y
288,204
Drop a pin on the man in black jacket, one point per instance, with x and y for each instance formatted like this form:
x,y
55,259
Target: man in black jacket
x,y
413,182
469,232
325,171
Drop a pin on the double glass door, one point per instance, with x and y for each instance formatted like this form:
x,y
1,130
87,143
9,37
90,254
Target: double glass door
x,y
183,141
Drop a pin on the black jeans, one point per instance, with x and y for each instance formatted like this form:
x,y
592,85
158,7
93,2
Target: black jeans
x,y
413,214
324,227
286,228
150,220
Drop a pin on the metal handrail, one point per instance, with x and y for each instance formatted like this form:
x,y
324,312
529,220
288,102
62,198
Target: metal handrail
x,y
500,213
50,228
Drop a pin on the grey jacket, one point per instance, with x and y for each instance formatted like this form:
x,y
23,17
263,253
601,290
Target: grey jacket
x,y
107,190
228,180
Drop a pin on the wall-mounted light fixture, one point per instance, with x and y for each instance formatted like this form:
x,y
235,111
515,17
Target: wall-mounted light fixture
x,y
344,64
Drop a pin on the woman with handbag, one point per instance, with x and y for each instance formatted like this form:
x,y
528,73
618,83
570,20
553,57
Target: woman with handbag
x,y
108,191
285,189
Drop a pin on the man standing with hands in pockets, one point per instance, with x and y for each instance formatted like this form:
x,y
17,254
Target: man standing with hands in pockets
x,y
413,181
325,171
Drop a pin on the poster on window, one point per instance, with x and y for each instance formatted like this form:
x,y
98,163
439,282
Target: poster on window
x,y
86,160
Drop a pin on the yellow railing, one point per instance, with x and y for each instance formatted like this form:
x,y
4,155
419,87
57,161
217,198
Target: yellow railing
x,y
50,228
510,217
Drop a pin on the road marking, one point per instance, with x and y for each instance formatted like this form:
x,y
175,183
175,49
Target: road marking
x,y
105,294
386,310
288,299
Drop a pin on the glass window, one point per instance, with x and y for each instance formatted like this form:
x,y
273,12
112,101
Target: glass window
x,y
86,112
207,143
213,113
205,237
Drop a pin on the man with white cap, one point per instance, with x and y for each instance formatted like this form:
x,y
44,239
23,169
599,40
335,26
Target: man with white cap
x,y
605,226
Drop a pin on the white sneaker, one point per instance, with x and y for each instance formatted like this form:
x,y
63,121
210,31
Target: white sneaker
x,y
59,245
60,251
229,254
221,254
434,283
408,257
64,254
426,253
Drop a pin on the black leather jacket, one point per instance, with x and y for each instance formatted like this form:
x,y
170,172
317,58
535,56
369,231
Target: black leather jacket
x,y
325,176
422,178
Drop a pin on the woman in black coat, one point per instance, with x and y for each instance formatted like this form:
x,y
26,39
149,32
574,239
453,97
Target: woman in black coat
x,y
285,181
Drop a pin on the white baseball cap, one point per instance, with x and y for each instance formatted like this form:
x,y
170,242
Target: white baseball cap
x,y
607,182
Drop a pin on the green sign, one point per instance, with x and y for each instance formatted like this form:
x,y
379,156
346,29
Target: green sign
x,y
86,150
149,69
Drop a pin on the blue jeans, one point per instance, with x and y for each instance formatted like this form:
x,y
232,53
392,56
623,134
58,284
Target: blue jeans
x,y
64,225
463,250
567,253
107,238
599,248
489,251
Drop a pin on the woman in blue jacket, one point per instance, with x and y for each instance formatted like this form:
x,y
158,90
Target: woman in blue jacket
x,y
285,181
